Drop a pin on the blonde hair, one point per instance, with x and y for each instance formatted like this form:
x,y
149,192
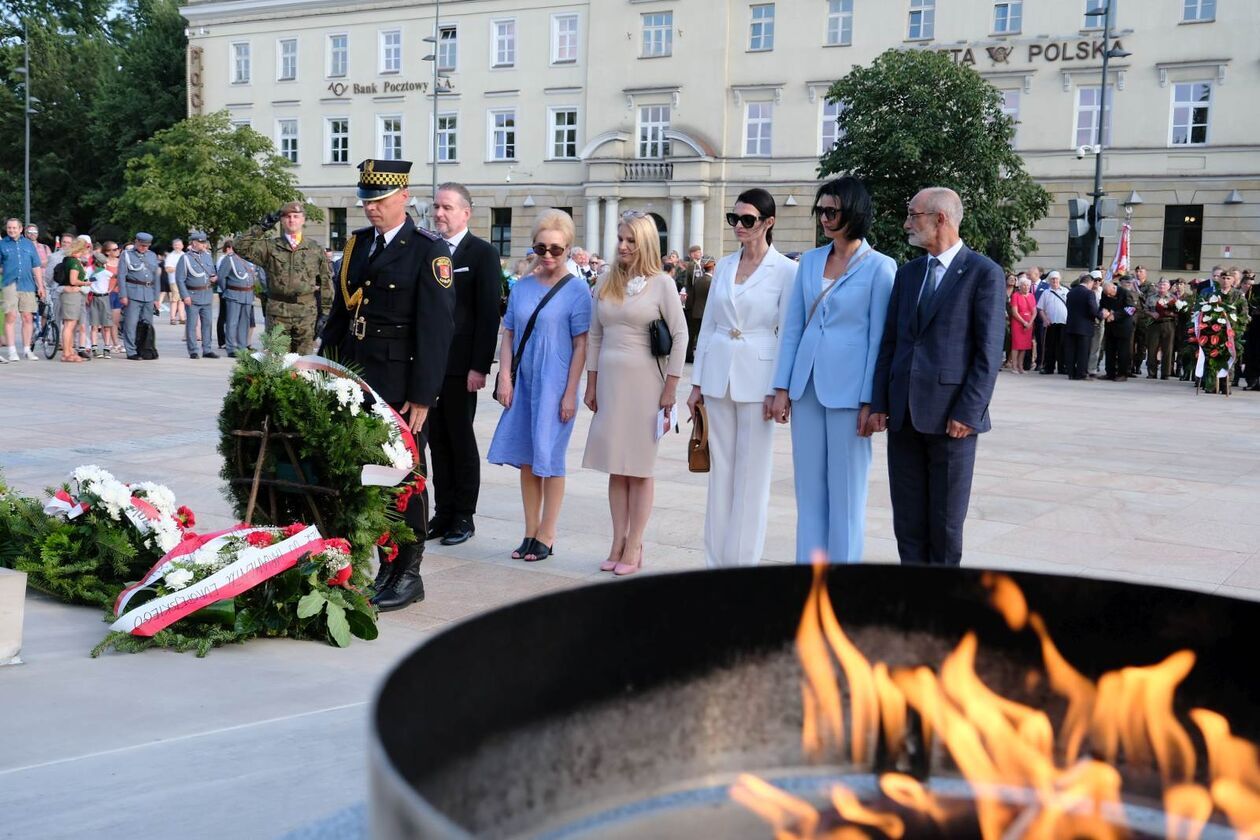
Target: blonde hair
x,y
78,247
557,220
646,261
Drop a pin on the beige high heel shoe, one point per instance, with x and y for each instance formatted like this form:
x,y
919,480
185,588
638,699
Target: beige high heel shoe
x,y
623,569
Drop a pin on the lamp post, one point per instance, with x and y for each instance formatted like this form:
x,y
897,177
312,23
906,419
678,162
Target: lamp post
x,y
25,70
1109,52
435,39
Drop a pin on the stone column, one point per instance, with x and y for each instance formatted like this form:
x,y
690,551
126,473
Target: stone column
x,y
611,217
592,225
697,224
676,242
12,603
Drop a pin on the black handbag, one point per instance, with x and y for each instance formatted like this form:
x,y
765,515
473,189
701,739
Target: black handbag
x,y
660,338
529,330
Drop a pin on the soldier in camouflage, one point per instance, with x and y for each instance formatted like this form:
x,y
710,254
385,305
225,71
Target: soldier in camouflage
x,y
296,269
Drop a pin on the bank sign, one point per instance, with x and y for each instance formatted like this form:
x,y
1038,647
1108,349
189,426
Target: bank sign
x,y
376,88
1048,52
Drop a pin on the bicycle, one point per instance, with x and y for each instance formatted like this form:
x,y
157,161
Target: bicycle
x,y
49,334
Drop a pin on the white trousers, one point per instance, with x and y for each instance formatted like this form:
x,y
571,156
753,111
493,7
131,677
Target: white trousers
x,y
740,459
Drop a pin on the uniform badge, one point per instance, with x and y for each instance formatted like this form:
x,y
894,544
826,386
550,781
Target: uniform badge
x,y
443,272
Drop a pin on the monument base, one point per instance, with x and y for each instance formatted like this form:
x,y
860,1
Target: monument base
x,y
12,604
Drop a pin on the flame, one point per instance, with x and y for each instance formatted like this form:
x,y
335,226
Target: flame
x,y
852,810
1135,710
1188,807
1234,767
1007,598
791,817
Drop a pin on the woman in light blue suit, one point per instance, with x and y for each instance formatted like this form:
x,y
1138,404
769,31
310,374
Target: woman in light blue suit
x,y
826,365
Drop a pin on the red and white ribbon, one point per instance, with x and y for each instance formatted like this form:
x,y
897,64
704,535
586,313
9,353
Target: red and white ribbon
x,y
63,504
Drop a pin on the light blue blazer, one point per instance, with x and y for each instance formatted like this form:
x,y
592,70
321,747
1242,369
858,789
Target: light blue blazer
x,y
840,344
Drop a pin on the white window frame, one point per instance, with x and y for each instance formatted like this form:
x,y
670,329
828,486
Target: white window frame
x,y
1190,105
557,56
828,112
1097,22
839,23
381,151
658,34
502,43
765,120
386,51
761,30
554,129
447,52
296,137
442,134
1013,112
925,10
241,58
283,45
330,151
330,56
645,120
1014,17
1108,127
493,129
243,123
1198,7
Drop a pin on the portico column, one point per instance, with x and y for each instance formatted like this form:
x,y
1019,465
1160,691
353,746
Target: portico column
x,y
592,225
676,226
609,252
697,223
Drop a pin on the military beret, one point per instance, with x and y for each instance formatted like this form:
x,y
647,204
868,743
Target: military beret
x,y
293,207
146,238
382,178
198,236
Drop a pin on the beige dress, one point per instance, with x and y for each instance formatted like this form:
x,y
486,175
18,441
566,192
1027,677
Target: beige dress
x,y
628,388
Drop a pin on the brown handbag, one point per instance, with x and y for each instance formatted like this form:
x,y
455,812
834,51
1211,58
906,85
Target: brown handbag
x,y
698,445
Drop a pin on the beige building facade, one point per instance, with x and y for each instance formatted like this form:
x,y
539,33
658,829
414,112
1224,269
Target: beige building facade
x,y
675,106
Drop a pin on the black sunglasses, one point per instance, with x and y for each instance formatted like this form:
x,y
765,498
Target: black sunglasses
x,y
554,250
748,220
826,213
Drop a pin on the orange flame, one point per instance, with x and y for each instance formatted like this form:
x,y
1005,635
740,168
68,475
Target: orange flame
x,y
790,817
1188,807
1234,766
1135,711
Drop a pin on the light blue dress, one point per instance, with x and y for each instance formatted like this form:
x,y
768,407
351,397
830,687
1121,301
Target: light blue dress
x,y
530,432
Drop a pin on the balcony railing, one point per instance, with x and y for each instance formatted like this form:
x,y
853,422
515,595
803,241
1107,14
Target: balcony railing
x,y
647,171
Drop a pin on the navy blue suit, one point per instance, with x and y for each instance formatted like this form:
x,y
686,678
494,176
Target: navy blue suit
x,y
931,369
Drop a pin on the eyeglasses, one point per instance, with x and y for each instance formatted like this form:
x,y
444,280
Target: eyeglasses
x,y
633,214
748,220
826,213
554,250
910,214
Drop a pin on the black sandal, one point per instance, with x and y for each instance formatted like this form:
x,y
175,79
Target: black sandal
x,y
539,550
521,550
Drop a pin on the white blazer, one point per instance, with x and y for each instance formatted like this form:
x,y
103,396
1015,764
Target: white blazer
x,y
739,334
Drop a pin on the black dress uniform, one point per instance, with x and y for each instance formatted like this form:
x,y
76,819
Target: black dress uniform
x,y
392,320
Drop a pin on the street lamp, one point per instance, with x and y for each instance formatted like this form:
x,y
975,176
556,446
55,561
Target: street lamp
x,y
438,74
25,71
1109,52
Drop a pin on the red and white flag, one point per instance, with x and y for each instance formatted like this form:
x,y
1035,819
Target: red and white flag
x,y
1120,265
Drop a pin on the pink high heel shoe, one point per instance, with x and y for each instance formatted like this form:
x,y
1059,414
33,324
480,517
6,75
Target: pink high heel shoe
x,y
623,569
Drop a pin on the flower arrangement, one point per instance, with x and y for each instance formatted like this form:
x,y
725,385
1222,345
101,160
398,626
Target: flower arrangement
x,y
1214,328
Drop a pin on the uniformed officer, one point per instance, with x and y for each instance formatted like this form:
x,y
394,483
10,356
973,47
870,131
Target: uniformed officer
x,y
236,290
296,269
196,278
139,275
392,317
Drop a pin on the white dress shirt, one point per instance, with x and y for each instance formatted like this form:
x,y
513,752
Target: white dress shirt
x,y
389,237
944,259
453,242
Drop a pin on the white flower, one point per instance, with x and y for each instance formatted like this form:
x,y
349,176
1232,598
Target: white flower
x,y
167,534
398,455
1218,308
114,496
90,474
1222,321
158,495
349,394
1214,299
290,359
178,579
636,285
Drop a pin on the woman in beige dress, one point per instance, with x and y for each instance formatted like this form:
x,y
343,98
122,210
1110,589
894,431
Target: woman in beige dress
x,y
626,386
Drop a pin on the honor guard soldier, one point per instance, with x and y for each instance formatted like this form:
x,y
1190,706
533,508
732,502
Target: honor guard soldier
x,y
392,318
236,288
196,279
296,269
138,277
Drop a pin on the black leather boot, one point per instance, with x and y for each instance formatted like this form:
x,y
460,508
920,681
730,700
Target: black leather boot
x,y
384,576
406,586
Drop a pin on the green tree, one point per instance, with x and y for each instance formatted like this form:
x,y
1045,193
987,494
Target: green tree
x,y
204,173
914,119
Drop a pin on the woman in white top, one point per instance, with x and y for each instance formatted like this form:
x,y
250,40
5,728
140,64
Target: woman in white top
x,y
734,366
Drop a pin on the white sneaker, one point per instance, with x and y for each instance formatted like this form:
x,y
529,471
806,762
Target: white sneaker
x,y
13,354
30,355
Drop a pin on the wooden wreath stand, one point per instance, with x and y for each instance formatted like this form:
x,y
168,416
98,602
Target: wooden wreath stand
x,y
275,487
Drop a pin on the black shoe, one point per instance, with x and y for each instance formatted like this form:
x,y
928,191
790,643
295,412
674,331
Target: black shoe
x,y
406,587
210,355
383,577
438,526
539,550
193,356
461,532
134,358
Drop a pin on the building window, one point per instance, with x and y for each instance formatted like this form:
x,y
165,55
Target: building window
x,y
502,145
658,34
504,43
840,22
653,123
1010,107
761,31
564,39
1183,237
337,228
448,47
922,20
240,64
338,55
447,138
1096,21
564,133
391,51
1191,105
287,139
241,123
286,59
1008,17
501,230
389,129
338,133
1087,118
1198,10
757,125
829,133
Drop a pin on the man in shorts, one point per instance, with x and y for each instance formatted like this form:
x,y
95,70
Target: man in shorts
x,y
98,312
170,291
21,287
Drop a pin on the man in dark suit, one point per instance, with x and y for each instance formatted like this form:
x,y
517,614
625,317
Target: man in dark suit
x,y
478,277
934,377
1083,314
392,318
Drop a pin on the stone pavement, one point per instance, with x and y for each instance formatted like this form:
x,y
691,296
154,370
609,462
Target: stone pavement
x,y
1141,481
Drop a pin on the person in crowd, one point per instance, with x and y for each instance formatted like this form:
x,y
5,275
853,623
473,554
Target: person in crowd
x,y
823,381
1094,364
735,353
1251,336
1082,314
1117,308
695,298
236,294
1052,310
32,233
170,289
1161,312
196,280
632,393
72,297
579,266
544,347
599,267
63,245
1023,309
98,312
1012,281
139,274
671,264
1033,359
520,270
21,287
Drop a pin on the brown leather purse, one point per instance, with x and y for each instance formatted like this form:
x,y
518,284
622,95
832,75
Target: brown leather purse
x,y
698,445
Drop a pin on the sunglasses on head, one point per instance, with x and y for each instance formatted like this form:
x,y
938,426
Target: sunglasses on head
x,y
554,250
826,213
748,220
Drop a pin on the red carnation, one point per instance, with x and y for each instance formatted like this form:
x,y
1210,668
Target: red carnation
x,y
383,538
404,497
342,577
420,483
260,539
184,516
293,530
1215,353
1216,339
339,544
393,552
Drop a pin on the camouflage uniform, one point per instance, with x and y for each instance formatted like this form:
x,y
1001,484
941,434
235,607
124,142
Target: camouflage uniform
x,y
294,275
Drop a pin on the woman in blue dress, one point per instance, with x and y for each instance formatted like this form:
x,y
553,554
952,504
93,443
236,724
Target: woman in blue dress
x,y
533,432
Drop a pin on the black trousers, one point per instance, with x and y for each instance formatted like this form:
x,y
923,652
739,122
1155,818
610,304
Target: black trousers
x,y
929,479
456,461
220,323
1039,336
1076,354
1052,357
1117,345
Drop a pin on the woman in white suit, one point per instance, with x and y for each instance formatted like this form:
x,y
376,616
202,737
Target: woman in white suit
x,y
735,356
826,365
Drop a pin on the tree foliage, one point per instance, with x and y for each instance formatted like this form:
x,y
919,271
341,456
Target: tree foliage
x,y
914,119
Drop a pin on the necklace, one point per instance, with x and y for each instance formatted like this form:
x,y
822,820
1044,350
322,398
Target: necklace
x,y
636,285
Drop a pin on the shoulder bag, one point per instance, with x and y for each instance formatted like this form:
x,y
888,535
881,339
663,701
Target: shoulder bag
x,y
698,446
529,330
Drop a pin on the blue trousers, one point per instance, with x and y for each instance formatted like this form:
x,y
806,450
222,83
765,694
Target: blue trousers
x,y
195,312
831,463
238,323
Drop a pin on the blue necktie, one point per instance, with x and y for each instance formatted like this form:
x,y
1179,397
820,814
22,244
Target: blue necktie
x,y
929,290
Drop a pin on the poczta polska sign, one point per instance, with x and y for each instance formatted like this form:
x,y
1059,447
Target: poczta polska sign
x,y
1053,52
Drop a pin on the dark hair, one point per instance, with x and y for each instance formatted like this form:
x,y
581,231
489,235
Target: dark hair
x,y
764,202
856,212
